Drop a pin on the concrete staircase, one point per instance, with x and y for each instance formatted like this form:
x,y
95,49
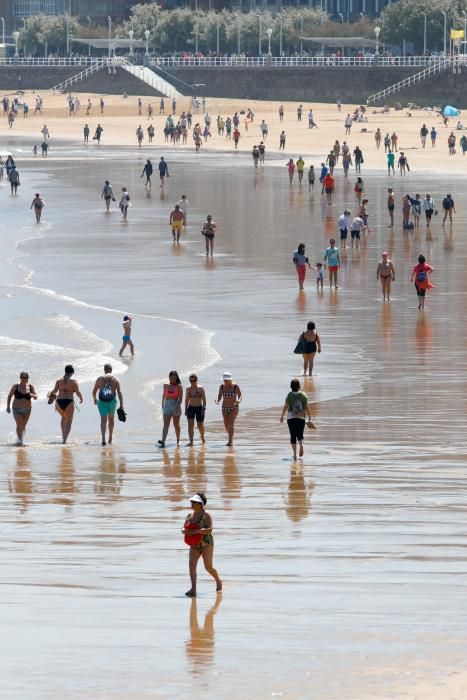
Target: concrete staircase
x,y
65,85
438,66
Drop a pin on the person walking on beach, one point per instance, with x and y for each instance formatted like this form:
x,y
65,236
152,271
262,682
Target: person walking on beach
x,y
358,158
423,135
311,178
429,208
172,397
378,137
264,130
98,134
332,261
359,189
231,397
86,132
139,135
255,154
163,170
448,208
124,203
348,124
329,187
391,205
37,204
451,144
356,227
344,227
151,132
385,272
63,395
126,339
107,195
197,532
403,163
282,140
300,168
14,180
463,144
299,113
101,105
301,261
162,106
416,205
195,408
394,139
104,394
183,204
433,135
421,276
310,343
262,151
147,171
391,158
209,232
331,161
177,221
281,114
21,394
291,170
387,143
296,407
45,132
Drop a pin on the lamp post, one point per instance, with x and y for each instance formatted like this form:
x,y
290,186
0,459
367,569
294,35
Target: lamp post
x,y
109,22
67,25
15,36
341,16
362,16
260,36
301,34
131,35
147,34
89,29
377,33
443,12
218,35
269,33
465,29
239,33
281,28
3,29
424,33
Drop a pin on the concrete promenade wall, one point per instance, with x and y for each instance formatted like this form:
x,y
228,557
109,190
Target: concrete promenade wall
x,y
14,78
323,84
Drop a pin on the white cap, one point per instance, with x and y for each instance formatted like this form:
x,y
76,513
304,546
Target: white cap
x,y
196,499
227,375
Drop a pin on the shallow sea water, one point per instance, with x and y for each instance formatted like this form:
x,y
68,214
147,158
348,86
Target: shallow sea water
x,y
345,574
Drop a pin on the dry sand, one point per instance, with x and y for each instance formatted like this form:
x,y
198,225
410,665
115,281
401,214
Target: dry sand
x,y
120,120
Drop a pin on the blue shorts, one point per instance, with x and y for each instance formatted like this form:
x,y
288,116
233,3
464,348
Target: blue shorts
x,y
126,338
107,408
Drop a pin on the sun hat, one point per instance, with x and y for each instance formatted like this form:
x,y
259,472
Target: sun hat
x,y
196,499
227,376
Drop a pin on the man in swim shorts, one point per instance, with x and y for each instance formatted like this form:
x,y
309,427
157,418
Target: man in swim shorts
x,y
127,336
177,220
105,393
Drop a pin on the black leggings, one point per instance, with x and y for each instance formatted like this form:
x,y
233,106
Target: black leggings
x,y
296,428
420,292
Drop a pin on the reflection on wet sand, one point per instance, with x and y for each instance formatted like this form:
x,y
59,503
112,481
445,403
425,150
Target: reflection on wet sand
x,y
196,470
21,482
423,334
387,327
64,486
231,487
109,476
200,645
298,500
172,473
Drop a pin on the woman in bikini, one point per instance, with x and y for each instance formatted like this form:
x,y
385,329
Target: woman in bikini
x,y
198,536
63,395
172,397
386,273
359,189
195,408
313,344
231,397
21,394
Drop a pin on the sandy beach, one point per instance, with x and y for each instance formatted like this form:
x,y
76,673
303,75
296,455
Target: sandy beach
x,y
120,121
344,572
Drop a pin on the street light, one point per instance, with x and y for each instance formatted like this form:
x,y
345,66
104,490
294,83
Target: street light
x,y
131,35
147,34
109,22
218,36
67,19
15,36
269,33
362,15
465,29
239,31
89,29
377,33
443,12
281,21
260,33
341,16
301,34
424,33
3,29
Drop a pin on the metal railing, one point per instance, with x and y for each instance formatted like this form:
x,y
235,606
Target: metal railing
x,y
148,76
52,61
441,64
98,65
291,61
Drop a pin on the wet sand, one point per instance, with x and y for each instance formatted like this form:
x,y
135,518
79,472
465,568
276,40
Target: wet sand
x,y
345,573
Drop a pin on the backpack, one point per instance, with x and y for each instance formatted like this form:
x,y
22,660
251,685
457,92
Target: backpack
x,y
106,394
421,276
